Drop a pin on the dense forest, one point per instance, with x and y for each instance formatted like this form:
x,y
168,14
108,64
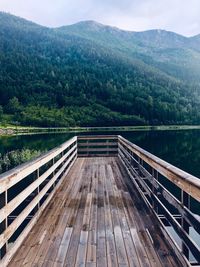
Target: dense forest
x,y
89,74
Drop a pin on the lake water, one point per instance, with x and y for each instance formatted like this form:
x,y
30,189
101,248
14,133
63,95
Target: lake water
x,y
181,148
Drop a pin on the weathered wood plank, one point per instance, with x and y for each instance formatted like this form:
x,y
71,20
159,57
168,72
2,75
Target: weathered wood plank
x,y
129,244
92,238
97,137
39,235
101,234
88,144
104,149
70,210
120,245
82,248
95,220
110,237
143,220
70,259
88,155
48,250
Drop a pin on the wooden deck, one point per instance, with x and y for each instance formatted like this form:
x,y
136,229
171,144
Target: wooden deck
x,y
96,218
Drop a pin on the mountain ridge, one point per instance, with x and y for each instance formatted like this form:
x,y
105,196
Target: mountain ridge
x,y
2,13
83,77
154,47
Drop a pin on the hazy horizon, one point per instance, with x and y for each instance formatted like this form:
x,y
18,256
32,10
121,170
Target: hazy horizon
x,y
180,16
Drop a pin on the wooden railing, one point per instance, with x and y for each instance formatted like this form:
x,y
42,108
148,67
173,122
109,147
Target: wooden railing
x,y
25,192
179,208
172,194
94,146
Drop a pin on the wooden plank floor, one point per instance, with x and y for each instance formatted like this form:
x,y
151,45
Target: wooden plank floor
x,y
95,219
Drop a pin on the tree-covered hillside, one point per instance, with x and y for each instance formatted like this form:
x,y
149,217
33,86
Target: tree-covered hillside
x,y
65,77
172,53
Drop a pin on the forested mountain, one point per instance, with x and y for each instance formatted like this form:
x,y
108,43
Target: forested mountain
x,y
91,74
172,53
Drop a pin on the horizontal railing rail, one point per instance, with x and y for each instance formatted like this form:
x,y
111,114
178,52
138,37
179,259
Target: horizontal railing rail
x,y
154,179
102,145
183,180
26,190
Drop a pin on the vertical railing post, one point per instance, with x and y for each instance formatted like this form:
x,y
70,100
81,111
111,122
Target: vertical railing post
x,y
117,145
107,152
153,188
54,184
62,154
185,200
38,188
154,176
6,220
140,164
87,147
76,144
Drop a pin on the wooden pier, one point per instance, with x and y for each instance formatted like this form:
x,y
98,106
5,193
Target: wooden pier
x,y
98,201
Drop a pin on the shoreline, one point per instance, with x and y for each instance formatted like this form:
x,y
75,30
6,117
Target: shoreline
x,y
13,130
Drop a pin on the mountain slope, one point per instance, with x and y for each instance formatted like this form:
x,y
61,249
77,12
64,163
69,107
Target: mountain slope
x,y
59,77
171,53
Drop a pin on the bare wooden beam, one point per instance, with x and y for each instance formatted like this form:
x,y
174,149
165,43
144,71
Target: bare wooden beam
x,y
105,149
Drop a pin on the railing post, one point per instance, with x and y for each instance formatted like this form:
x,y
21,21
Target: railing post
x,y
54,184
140,164
185,200
87,147
6,220
153,189
38,189
155,192
62,154
107,152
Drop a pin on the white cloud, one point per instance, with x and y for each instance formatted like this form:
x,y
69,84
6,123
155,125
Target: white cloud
x,y
181,16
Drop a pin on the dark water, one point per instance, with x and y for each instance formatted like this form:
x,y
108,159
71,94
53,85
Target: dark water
x,y
181,148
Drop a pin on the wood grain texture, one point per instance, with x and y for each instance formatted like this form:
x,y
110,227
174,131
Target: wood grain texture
x,y
95,219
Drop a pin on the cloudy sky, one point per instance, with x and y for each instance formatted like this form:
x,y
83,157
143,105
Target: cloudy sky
x,y
181,16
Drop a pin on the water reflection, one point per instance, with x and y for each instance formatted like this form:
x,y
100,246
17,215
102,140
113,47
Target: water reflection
x,y
181,148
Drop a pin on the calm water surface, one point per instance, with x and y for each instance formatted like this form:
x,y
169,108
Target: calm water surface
x,y
181,148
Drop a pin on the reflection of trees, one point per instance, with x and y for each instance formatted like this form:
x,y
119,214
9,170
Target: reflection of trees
x,y
180,148
40,142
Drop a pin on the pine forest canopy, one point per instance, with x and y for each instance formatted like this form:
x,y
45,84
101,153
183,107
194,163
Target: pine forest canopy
x,y
89,74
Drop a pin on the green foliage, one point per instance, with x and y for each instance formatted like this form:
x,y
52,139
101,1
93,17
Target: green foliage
x,y
53,77
16,157
13,106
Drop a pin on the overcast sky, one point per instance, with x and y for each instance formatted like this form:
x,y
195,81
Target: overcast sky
x,y
181,16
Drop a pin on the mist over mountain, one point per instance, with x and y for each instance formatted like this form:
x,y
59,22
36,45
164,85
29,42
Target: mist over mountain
x,y
92,74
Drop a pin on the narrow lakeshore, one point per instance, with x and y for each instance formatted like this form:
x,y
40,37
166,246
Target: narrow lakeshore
x,y
12,130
